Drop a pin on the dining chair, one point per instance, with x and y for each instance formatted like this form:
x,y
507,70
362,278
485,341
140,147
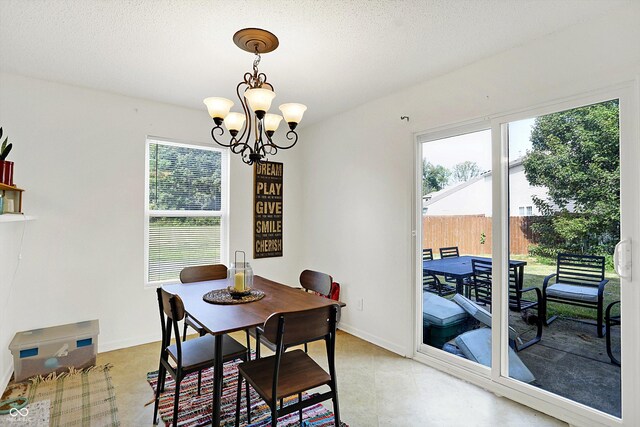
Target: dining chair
x,y
451,252
200,273
310,281
189,356
294,372
482,282
430,282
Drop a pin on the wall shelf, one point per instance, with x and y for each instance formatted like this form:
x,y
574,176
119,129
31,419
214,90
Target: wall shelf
x,y
16,218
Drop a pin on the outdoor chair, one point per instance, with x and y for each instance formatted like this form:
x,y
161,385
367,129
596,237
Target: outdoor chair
x,y
610,321
294,372
450,252
475,345
482,283
184,358
484,317
430,282
579,281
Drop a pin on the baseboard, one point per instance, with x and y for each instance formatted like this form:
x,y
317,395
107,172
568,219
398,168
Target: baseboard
x,y
6,377
373,339
125,343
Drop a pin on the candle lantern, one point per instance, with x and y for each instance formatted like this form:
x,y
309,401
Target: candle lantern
x,y
240,275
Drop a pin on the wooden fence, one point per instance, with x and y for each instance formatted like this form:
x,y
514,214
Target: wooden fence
x,y
466,231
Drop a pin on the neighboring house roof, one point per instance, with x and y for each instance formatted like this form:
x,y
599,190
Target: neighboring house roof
x,y
441,194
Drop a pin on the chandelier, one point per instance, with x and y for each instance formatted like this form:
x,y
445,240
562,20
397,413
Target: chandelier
x,y
252,130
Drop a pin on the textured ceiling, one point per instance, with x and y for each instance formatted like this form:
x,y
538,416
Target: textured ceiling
x,y
333,55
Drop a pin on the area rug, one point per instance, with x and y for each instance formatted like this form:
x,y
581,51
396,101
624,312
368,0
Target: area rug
x,y
196,410
77,398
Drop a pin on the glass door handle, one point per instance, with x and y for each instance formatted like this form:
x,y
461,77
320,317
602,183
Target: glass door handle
x,y
622,259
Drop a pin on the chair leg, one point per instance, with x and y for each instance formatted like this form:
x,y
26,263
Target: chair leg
x,y
600,325
184,331
161,375
176,401
238,398
300,410
248,396
306,349
248,345
199,381
336,406
274,416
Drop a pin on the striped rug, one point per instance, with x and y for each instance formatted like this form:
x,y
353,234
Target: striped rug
x,y
76,398
195,410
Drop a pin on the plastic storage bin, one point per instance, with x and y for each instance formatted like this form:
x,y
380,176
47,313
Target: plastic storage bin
x,y
54,349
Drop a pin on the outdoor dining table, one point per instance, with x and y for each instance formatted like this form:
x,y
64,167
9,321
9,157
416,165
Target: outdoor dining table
x,y
460,269
218,320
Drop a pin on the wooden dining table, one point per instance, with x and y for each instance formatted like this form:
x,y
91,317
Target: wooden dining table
x,y
217,319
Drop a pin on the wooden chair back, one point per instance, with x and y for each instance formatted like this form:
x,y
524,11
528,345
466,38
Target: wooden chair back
x,y
317,282
291,328
202,273
449,252
427,254
171,312
171,305
583,270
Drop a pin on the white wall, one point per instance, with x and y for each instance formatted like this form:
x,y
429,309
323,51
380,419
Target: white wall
x,y
359,175
79,154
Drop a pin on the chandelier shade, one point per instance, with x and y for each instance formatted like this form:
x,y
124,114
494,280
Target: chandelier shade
x,y
234,122
252,129
218,107
293,113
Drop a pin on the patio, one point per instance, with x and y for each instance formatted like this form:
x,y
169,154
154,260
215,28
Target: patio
x,y
571,361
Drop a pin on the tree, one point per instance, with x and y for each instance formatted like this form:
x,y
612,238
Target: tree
x,y
464,171
575,155
434,177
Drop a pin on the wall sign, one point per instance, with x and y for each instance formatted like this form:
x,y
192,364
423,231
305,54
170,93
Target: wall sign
x,y
267,210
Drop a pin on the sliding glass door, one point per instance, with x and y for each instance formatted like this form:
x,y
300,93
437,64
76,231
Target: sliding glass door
x,y
540,300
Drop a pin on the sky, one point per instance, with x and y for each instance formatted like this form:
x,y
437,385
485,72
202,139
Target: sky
x,y
476,146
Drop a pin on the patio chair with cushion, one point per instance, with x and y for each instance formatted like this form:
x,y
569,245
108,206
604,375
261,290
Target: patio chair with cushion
x,y
475,345
430,282
482,283
579,281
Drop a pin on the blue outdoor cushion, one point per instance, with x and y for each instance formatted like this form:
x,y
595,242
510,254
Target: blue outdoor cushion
x,y
573,292
480,314
440,311
476,346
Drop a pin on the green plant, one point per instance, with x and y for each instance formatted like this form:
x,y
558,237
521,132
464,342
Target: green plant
x,y
483,238
4,149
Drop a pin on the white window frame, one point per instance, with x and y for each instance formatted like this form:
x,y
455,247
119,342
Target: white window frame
x,y
223,213
496,379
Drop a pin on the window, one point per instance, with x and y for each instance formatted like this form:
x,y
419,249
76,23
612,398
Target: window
x,y
529,210
521,210
185,208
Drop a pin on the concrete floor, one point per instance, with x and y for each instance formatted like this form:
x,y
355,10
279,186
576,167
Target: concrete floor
x,y
376,388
